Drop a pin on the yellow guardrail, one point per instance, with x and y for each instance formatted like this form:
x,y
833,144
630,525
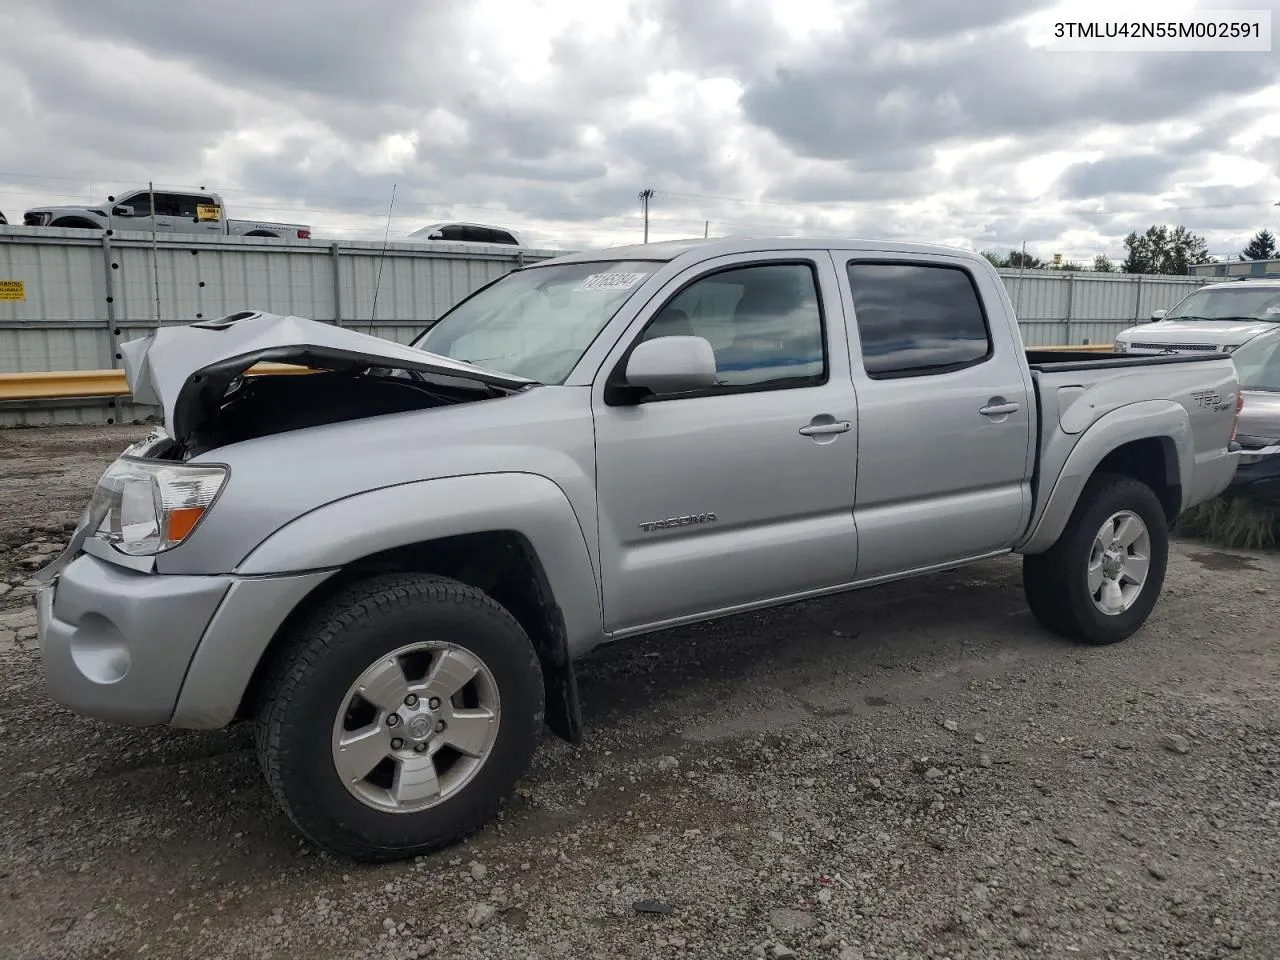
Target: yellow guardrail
x,y
1080,348
74,384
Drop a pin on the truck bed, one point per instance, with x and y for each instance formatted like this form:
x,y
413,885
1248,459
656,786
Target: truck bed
x,y
1077,389
289,231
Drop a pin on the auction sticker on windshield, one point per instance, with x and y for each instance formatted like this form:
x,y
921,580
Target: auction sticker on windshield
x,y
610,281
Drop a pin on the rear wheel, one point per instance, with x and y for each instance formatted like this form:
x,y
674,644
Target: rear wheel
x,y
400,716
1100,581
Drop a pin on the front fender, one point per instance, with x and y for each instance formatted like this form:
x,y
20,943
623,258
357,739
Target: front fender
x,y
346,530
1163,420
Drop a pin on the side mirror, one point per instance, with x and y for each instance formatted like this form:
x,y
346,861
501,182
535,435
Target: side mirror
x,y
672,365
122,210
1158,314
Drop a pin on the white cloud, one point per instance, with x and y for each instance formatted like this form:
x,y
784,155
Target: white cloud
x,y
934,120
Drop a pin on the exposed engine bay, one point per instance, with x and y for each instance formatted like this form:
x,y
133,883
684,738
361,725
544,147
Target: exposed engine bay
x,y
258,406
202,377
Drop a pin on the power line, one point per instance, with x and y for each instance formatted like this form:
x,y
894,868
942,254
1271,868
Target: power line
x,y
564,215
1078,211
820,213
814,206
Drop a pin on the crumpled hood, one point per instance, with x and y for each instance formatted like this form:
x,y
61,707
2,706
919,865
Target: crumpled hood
x,y
1229,332
186,370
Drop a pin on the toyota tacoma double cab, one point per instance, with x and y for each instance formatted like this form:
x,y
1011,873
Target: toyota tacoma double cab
x,y
391,562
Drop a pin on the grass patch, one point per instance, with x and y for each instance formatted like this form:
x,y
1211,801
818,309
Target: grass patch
x,y
1233,522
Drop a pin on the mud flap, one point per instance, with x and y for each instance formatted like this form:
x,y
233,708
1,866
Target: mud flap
x,y
564,712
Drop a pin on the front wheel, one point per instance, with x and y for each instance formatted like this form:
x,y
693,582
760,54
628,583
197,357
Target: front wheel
x,y
1100,581
400,716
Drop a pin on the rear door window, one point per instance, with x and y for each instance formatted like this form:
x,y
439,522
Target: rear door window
x,y
917,319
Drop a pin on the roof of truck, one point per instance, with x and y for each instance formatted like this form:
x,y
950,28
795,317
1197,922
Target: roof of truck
x,y
666,250
1273,280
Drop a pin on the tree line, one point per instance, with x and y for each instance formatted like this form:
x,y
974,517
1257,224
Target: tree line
x,y
1171,251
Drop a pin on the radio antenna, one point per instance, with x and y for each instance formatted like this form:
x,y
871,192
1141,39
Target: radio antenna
x,y
373,312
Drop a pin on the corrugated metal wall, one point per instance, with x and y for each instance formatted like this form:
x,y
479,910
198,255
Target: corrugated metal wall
x,y
125,277
1059,308
84,294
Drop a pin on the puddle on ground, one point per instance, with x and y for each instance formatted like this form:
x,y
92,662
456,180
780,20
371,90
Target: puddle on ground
x,y
1212,560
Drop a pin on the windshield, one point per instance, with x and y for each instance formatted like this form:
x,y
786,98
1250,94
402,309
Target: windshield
x,y
1258,363
1228,302
537,322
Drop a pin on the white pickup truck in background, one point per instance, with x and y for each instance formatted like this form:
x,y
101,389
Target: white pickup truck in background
x,y
1217,318
171,212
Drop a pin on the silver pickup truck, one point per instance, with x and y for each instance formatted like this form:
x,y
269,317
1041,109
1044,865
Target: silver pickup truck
x,y
391,562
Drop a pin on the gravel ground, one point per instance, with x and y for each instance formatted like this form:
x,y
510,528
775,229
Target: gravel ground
x,y
911,771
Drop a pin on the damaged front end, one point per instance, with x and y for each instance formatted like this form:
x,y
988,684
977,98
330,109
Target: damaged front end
x,y
202,376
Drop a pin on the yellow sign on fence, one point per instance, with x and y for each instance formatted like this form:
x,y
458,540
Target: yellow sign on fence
x,y
13,290
208,211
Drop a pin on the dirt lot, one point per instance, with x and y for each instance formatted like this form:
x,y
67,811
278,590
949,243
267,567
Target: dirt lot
x,y
911,771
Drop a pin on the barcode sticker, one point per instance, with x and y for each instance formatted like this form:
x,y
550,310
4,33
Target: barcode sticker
x,y
610,281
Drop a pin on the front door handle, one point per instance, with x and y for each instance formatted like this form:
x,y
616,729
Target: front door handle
x,y
998,407
823,429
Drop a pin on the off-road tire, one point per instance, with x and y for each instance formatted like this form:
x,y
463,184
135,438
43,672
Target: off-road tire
x,y
309,678
1056,582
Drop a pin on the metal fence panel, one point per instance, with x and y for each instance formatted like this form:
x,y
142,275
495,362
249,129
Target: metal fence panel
x,y
185,276
196,283
84,293
1061,307
63,279
1037,295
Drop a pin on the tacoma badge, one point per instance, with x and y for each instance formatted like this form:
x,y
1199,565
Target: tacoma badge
x,y
678,521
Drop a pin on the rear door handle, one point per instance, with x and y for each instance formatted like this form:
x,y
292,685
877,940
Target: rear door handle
x,y
998,409
823,429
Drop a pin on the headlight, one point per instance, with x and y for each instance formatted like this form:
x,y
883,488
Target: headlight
x,y
1121,347
143,508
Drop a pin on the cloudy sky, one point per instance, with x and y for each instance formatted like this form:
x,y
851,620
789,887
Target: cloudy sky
x,y
939,120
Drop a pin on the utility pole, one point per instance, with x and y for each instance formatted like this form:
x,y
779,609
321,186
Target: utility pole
x,y
645,196
706,229
155,252
1022,275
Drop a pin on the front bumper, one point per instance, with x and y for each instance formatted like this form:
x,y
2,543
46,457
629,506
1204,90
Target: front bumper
x,y
1258,479
116,644
145,648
